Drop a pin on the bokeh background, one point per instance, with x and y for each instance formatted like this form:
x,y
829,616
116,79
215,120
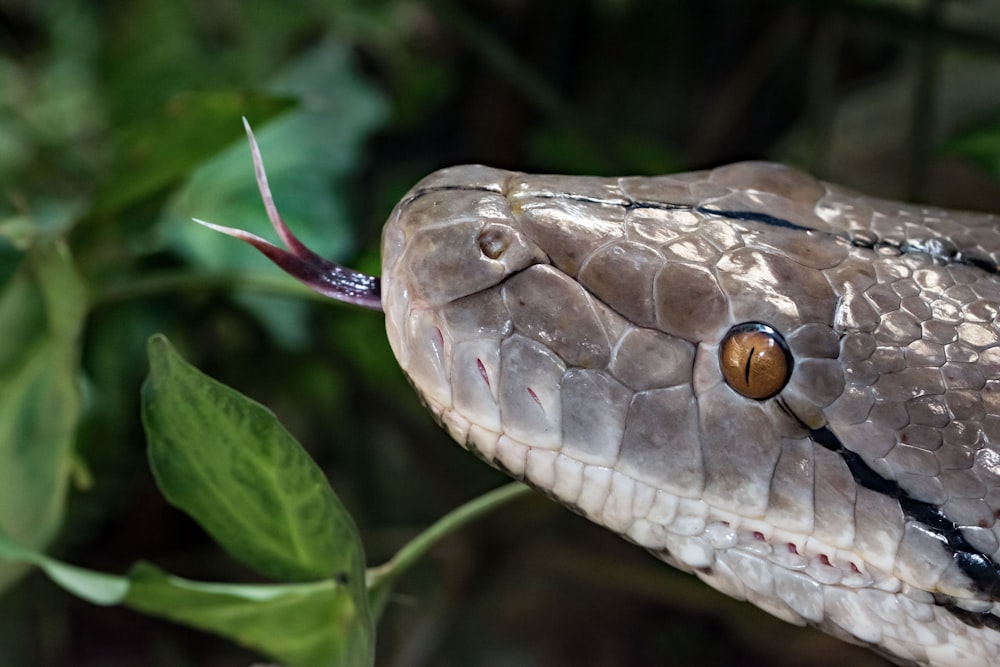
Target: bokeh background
x,y
120,120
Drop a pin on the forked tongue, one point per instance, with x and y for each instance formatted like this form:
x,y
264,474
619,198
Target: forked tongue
x,y
319,274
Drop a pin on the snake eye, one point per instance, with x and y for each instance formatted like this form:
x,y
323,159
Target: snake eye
x,y
755,360
493,242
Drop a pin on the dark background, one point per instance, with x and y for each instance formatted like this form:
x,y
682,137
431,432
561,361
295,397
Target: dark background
x,y
110,112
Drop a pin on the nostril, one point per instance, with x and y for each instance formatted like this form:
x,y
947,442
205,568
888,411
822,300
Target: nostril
x,y
493,242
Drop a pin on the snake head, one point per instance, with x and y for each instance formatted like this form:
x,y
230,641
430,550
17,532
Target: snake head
x,y
759,377
319,274
567,327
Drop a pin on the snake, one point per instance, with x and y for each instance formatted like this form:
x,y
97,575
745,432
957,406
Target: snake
x,y
782,386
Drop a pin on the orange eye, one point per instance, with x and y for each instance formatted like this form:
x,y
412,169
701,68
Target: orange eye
x,y
493,242
755,360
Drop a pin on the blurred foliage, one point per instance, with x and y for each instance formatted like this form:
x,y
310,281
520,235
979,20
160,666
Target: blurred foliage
x,y
120,121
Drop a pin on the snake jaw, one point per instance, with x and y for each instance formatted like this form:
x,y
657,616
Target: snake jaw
x,y
315,272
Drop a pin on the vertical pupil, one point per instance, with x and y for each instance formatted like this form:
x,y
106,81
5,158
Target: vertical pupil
x,y
746,373
755,361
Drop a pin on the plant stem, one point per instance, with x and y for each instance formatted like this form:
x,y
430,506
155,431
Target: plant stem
x,y
385,574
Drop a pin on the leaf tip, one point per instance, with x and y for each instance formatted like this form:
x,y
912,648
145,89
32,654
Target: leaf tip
x,y
157,342
158,351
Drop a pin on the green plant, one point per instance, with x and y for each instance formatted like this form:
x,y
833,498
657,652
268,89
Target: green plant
x,y
225,460
116,128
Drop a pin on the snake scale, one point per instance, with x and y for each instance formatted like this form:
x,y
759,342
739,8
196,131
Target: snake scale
x,y
785,387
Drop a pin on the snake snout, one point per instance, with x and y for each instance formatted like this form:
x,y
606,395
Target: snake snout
x,y
453,258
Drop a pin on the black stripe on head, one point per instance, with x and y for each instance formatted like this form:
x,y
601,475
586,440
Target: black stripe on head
x,y
755,216
979,567
977,619
939,249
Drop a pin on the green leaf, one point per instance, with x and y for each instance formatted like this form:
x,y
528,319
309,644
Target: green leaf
x,y
310,624
95,587
318,623
164,146
310,152
227,462
42,308
307,150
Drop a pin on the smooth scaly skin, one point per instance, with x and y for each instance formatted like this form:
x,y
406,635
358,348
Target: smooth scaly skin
x,y
567,329
584,360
